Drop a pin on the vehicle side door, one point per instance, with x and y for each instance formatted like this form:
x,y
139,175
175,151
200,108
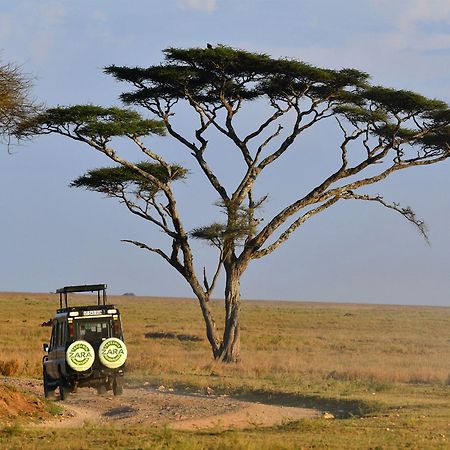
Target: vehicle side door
x,y
60,345
51,365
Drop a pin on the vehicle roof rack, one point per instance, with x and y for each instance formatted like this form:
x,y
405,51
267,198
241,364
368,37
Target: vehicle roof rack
x,y
101,299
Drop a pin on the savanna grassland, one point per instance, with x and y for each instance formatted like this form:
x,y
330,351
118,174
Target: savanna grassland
x,y
382,371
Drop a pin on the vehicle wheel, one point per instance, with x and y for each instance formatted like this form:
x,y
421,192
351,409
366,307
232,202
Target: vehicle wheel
x,y
63,388
101,389
117,386
49,391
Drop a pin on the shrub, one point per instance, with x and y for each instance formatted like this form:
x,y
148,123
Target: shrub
x,y
9,367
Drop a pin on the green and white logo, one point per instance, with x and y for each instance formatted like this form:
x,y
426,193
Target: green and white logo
x,y
80,356
113,353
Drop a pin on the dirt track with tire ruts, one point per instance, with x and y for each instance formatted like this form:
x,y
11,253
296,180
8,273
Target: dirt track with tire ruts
x,y
149,406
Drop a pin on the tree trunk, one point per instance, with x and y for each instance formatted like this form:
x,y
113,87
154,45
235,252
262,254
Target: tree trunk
x,y
210,324
230,347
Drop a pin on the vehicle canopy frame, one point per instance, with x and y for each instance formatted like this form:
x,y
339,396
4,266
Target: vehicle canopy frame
x,y
99,288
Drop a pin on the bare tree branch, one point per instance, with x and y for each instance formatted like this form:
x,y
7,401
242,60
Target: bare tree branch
x,y
209,288
296,130
151,154
267,141
158,251
300,221
279,112
135,209
406,212
197,153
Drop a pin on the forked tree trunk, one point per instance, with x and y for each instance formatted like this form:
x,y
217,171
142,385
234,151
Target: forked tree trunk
x,y
230,346
210,325
211,330
225,349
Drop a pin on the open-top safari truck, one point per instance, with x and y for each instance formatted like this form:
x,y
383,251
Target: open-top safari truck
x,y
86,346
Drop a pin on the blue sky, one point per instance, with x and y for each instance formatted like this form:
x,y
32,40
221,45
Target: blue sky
x,y
52,236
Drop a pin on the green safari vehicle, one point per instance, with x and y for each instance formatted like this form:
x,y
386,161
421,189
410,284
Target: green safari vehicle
x,y
86,347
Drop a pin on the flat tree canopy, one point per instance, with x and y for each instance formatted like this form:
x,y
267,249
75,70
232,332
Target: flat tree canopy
x,y
383,130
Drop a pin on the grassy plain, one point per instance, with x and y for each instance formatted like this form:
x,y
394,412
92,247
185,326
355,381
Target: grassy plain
x,y
383,371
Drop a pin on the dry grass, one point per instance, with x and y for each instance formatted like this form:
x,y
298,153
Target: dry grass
x,y
9,367
393,358
282,342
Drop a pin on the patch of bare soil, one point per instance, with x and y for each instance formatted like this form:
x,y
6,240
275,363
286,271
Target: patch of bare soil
x,y
14,403
153,407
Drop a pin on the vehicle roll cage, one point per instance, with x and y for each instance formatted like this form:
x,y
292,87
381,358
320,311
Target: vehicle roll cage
x,y
99,288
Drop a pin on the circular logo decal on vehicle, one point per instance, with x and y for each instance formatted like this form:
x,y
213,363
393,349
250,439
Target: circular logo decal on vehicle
x,y
80,356
113,353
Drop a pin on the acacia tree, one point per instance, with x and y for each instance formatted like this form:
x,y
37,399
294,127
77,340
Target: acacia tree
x,y
383,131
15,102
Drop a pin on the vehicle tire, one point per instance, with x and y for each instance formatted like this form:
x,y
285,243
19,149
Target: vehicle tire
x,y
101,389
117,386
63,388
49,391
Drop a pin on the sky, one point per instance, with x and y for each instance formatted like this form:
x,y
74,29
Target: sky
x,y
52,235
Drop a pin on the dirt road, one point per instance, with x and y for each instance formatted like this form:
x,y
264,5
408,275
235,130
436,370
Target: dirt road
x,y
151,406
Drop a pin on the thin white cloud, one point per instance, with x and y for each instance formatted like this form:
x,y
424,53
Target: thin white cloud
x,y
99,17
5,27
424,11
408,19
49,15
414,70
408,12
199,5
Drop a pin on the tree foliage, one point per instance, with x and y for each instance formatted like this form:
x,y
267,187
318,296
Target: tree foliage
x,y
383,130
93,122
16,104
111,180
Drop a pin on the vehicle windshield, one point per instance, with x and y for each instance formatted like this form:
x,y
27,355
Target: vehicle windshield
x,y
93,329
